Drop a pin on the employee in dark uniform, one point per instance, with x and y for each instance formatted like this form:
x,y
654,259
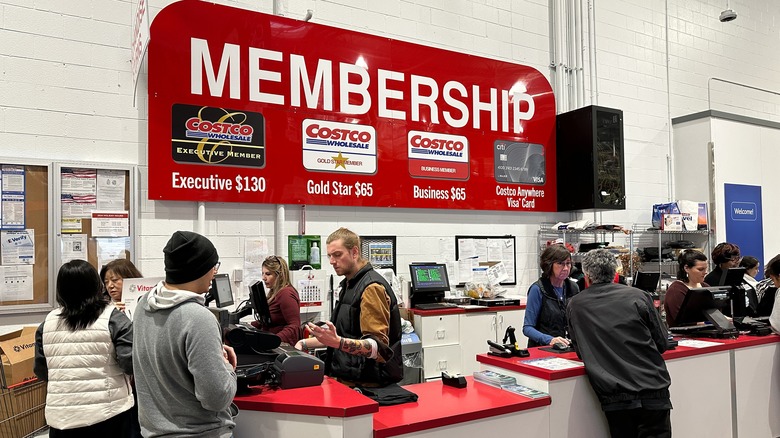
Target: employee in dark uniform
x,y
545,311
364,339
725,255
772,271
691,270
620,337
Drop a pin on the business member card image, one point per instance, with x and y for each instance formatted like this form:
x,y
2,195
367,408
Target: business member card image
x,y
519,163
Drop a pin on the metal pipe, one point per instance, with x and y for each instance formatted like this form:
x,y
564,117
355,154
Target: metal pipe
x,y
670,181
559,19
579,34
571,57
594,91
279,247
200,225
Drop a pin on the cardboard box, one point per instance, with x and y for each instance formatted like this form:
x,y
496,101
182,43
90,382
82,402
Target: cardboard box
x,y
694,215
17,354
672,222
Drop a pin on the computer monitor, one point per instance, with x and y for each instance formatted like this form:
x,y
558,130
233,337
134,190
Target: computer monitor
x,y
647,281
429,282
699,301
732,277
735,279
221,291
259,303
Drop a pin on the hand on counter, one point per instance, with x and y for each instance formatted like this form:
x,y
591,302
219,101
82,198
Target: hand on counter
x,y
557,339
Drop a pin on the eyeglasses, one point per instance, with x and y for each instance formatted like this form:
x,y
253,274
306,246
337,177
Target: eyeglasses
x,y
216,267
565,264
272,258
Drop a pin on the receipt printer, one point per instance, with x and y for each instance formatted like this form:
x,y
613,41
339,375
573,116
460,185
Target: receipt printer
x,y
296,369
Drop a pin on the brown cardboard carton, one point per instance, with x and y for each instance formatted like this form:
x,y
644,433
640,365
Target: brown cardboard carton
x,y
17,354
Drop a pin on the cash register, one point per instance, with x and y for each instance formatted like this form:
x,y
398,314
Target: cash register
x,y
262,359
703,304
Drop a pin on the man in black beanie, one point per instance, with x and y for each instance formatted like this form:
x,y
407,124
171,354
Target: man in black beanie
x,y
185,377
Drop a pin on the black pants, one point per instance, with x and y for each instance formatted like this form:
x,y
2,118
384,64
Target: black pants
x,y
639,423
117,426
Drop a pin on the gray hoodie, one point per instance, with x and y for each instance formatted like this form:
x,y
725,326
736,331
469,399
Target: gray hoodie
x,y
184,385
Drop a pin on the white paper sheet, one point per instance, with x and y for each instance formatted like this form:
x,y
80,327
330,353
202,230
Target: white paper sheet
x,y
133,289
17,283
73,246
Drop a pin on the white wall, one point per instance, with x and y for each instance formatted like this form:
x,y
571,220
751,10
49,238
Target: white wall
x,y
739,151
66,94
691,159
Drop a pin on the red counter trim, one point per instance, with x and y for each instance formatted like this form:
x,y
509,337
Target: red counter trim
x,y
331,399
516,365
743,341
438,405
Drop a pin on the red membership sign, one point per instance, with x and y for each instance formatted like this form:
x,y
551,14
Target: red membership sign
x,y
250,107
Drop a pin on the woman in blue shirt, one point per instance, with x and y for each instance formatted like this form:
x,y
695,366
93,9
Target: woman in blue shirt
x,y
545,312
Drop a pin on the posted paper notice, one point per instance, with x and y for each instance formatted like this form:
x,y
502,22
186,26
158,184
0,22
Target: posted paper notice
x,y
17,283
18,247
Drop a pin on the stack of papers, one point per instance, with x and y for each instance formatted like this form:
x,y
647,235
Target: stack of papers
x,y
524,391
553,363
494,378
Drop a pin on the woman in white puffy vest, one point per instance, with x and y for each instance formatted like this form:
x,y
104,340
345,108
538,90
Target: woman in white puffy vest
x,y
84,351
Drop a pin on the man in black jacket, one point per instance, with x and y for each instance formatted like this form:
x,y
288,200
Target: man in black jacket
x,y
619,335
364,339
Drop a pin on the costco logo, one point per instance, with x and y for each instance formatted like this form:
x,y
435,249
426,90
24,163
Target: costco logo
x,y
339,147
441,156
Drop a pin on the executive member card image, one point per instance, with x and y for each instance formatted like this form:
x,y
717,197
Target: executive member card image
x,y
217,136
519,163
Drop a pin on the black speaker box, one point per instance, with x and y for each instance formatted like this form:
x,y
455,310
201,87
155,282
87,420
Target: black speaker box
x,y
590,165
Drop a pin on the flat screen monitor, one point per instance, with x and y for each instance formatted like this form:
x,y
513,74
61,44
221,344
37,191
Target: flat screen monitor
x,y
221,290
259,303
701,299
429,282
732,277
647,281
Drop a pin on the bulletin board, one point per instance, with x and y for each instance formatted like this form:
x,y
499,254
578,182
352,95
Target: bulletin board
x,y
51,213
482,249
25,224
95,213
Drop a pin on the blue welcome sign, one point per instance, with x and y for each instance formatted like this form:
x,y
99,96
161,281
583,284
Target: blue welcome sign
x,y
744,223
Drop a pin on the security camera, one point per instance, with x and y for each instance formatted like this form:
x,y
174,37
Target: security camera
x,y
728,15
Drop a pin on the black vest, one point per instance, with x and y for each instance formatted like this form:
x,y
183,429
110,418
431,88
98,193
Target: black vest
x,y
346,318
552,313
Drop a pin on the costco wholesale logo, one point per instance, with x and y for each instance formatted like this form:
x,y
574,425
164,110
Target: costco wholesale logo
x,y
217,136
339,147
433,155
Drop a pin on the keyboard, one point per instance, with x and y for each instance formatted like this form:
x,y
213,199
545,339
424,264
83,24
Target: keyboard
x,y
689,328
435,306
